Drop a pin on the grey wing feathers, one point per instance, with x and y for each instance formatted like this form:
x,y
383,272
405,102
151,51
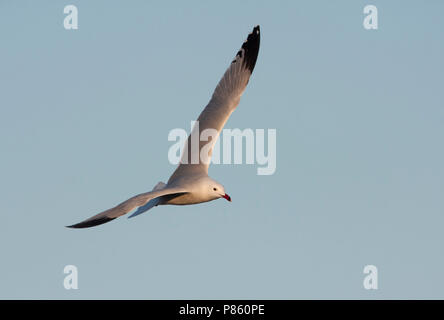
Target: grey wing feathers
x,y
224,100
125,207
235,79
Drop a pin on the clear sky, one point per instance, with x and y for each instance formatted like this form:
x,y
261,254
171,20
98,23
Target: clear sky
x,y
84,123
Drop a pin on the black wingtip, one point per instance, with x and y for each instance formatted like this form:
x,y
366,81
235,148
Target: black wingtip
x,y
251,48
90,223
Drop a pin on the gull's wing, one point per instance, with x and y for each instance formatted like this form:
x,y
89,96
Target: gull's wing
x,y
126,207
223,102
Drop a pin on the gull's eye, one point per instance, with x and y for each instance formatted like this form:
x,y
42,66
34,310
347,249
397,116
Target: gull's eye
x,y
214,189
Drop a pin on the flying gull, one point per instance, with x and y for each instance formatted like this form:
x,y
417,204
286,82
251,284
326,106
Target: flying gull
x,y
190,183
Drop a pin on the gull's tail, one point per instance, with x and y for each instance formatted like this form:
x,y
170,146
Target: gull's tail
x,y
150,204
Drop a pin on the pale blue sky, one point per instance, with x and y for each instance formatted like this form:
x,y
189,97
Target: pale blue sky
x,y
85,117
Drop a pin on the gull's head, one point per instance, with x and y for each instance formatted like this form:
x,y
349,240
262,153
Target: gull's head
x,y
217,190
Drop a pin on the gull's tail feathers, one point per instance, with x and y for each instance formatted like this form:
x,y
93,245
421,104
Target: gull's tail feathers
x,y
150,204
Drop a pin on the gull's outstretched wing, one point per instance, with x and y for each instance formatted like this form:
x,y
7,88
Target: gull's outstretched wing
x,y
223,102
126,207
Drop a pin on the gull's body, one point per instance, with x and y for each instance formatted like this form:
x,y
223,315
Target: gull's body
x,y
190,183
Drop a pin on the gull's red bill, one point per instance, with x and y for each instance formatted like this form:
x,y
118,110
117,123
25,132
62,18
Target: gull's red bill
x,y
226,196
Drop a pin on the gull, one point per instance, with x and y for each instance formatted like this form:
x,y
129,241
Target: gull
x,y
190,183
